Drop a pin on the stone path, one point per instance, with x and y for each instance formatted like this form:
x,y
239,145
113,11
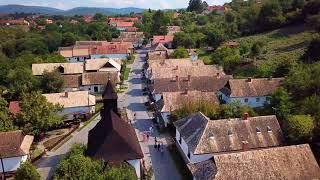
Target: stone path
x,y
162,163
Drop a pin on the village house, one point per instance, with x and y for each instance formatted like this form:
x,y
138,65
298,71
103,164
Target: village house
x,y
172,101
201,139
173,29
216,9
158,51
112,20
91,75
122,25
49,21
136,38
251,92
88,18
14,150
166,40
11,22
190,83
289,162
113,140
73,103
83,50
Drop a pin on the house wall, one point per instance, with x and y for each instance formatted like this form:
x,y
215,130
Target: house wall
x,y
115,56
75,110
76,59
193,158
71,89
137,166
252,101
92,88
165,118
13,163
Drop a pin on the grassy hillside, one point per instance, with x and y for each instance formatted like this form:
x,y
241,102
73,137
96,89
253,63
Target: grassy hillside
x,y
282,46
287,43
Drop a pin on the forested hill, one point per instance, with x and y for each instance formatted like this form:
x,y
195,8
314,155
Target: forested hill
x,y
9,9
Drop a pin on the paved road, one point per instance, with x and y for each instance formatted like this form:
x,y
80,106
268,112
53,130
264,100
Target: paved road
x,y
47,165
162,164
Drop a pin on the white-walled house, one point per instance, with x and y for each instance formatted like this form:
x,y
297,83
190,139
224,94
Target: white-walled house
x,y
251,92
79,102
200,139
14,150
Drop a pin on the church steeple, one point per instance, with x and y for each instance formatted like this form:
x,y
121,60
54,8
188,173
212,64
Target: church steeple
x,y
110,97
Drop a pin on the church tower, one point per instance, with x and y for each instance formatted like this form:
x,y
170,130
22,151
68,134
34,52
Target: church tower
x,y
110,98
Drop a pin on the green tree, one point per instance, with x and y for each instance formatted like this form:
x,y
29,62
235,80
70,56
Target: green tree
x,y
180,52
281,103
99,17
78,166
195,6
6,122
68,39
27,171
257,49
312,54
235,110
311,105
229,58
52,82
122,171
299,127
271,15
159,23
37,114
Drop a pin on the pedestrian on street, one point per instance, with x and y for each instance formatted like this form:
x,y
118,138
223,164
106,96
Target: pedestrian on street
x,y
155,142
162,150
148,136
158,146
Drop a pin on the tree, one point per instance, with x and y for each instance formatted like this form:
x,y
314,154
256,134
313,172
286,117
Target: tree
x,y
180,52
6,122
52,82
311,105
195,6
37,114
299,127
235,110
229,58
271,15
27,171
159,23
68,39
312,54
99,17
281,103
77,166
257,49
122,171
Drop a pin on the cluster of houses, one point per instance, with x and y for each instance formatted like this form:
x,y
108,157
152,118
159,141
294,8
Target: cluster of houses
x,y
124,23
237,148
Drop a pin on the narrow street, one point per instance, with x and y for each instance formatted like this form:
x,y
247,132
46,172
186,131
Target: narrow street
x,y
163,166
162,163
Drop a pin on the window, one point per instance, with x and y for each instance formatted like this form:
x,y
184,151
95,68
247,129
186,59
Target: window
x,y
257,99
96,89
246,100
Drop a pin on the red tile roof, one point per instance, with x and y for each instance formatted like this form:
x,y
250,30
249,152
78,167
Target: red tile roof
x,y
14,21
14,108
111,48
216,8
124,24
163,39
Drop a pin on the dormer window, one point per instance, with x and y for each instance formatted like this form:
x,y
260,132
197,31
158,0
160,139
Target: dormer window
x,y
269,129
211,136
258,130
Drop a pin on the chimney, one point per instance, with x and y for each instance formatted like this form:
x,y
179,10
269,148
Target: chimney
x,y
189,78
270,78
177,78
66,94
245,146
218,75
249,79
245,116
176,68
